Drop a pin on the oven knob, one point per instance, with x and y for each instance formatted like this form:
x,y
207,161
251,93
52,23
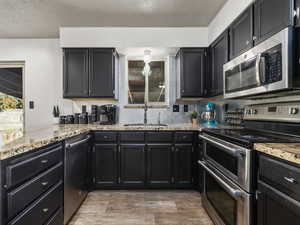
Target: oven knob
x,y
293,111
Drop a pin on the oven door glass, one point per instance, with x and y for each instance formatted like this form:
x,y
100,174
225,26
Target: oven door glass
x,y
242,77
224,204
223,158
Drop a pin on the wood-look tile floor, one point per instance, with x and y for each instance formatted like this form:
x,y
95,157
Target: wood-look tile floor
x,y
178,207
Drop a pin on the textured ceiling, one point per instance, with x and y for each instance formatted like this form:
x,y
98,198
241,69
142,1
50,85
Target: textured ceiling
x,y
42,18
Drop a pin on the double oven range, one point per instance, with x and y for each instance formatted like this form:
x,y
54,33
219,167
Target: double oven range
x,y
229,165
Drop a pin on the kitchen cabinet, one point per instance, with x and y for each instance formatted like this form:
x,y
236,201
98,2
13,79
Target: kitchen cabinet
x,y
241,33
90,73
278,192
183,164
159,162
76,72
219,52
103,68
191,66
132,169
271,16
105,165
32,182
276,208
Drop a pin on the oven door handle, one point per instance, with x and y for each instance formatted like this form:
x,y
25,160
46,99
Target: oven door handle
x,y
233,151
235,193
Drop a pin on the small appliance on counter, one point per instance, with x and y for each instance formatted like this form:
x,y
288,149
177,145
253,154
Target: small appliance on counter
x,y
107,114
209,115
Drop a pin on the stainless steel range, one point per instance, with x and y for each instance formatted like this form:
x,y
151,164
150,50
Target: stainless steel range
x,y
229,160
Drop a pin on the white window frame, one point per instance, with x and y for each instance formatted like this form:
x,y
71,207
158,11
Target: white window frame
x,y
167,83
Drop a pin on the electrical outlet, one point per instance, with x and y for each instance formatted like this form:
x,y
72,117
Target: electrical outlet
x,y
175,108
185,108
31,104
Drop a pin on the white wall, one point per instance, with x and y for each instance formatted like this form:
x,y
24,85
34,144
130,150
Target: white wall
x,y
124,37
230,11
43,75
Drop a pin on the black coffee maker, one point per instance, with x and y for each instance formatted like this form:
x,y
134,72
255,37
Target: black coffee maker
x,y
107,114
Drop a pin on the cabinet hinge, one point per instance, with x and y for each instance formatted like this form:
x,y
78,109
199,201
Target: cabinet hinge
x,y
94,180
192,179
172,180
119,180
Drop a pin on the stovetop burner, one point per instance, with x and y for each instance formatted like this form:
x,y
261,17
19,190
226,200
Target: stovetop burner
x,y
248,137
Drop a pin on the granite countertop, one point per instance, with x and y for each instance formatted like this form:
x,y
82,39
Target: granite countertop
x,y
286,151
35,139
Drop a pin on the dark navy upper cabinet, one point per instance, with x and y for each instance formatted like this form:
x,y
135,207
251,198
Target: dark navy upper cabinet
x,y
191,67
271,16
241,33
102,72
76,77
90,73
219,52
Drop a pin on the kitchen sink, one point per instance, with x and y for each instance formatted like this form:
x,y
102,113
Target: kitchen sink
x,y
145,125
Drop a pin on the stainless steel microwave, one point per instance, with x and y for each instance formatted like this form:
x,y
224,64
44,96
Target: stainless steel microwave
x,y
267,67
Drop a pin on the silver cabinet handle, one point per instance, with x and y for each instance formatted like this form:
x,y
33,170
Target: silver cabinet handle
x,y
297,13
44,183
45,210
44,161
70,145
290,180
235,193
231,150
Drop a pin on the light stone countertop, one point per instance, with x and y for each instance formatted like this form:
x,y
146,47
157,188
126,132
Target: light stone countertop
x,y
38,138
286,151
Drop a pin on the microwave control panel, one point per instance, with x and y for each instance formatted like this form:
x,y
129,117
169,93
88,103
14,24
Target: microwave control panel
x,y
271,62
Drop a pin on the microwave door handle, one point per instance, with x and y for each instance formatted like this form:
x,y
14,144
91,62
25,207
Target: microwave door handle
x,y
235,193
257,68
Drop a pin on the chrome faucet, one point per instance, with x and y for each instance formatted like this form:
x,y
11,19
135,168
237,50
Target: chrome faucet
x,y
145,113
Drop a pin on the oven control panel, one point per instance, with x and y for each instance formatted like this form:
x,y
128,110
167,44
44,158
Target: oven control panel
x,y
285,112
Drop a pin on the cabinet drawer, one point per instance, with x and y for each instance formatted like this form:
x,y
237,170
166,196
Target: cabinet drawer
x,y
41,210
24,170
57,218
160,137
22,196
280,175
132,137
184,137
105,136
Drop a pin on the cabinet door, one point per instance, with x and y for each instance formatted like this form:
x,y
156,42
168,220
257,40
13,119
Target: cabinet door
x,y
275,208
102,73
183,164
219,56
75,73
271,16
159,164
106,165
132,164
192,71
241,32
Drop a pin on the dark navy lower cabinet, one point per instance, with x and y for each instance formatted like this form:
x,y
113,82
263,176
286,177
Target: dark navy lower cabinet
x,y
277,196
132,164
106,165
32,187
159,162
